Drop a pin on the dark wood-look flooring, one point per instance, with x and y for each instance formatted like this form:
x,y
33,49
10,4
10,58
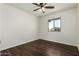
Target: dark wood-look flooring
x,y
41,48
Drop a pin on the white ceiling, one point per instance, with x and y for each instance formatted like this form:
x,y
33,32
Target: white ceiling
x,y
29,7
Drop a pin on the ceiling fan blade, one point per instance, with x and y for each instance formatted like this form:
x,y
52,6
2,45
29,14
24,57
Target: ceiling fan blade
x,y
36,9
36,4
49,7
41,4
45,4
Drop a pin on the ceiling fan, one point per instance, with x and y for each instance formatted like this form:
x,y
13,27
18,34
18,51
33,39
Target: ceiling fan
x,y
42,7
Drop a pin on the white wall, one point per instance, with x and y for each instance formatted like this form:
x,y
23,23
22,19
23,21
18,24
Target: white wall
x,y
68,34
0,23
78,26
16,27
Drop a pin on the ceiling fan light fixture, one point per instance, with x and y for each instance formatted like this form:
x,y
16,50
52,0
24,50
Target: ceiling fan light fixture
x,y
43,8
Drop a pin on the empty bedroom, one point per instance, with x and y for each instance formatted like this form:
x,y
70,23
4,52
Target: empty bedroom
x,y
39,29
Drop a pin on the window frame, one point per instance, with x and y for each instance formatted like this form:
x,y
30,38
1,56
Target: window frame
x,y
54,23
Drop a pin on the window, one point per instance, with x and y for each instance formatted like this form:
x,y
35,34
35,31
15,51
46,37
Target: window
x,y
54,25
